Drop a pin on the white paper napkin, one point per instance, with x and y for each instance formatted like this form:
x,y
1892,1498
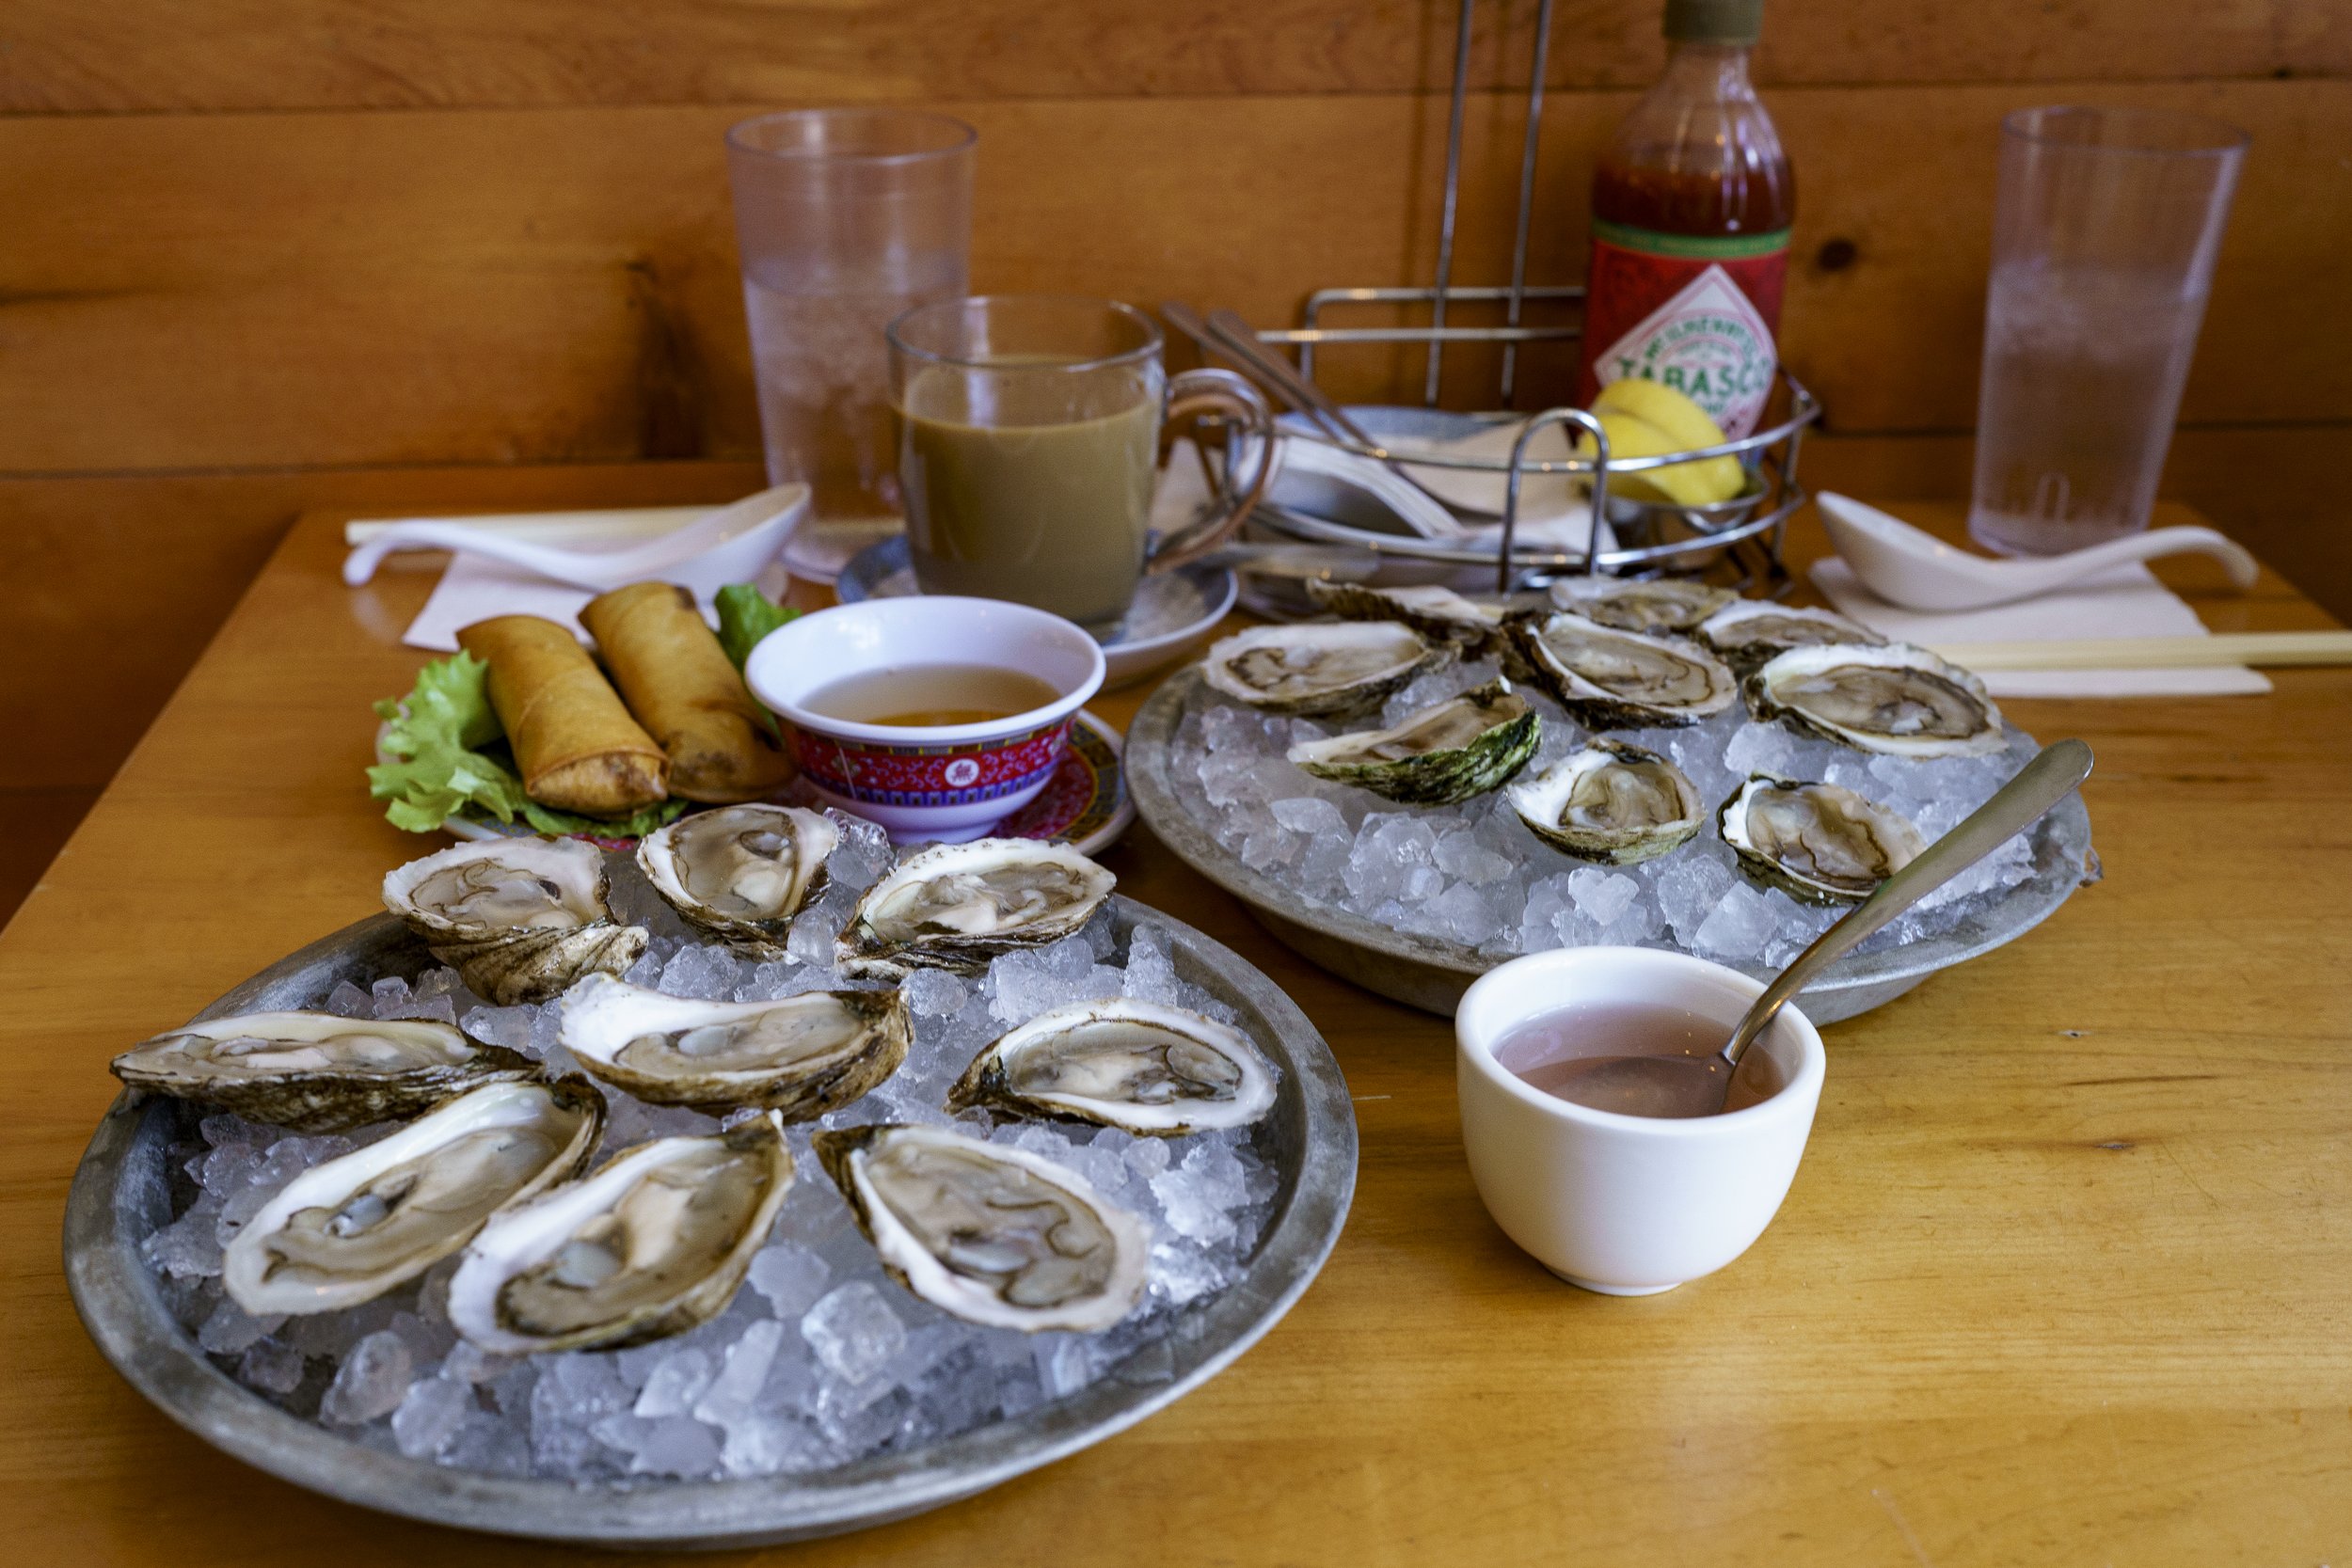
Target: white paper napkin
x,y
2126,602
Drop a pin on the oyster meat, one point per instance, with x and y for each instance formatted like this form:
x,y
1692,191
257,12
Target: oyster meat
x,y
1444,753
1819,843
992,1234
1609,679
1749,631
1153,1070
957,906
1897,700
1325,667
350,1229
1440,614
1639,604
1612,803
520,918
803,1057
317,1072
652,1243
741,872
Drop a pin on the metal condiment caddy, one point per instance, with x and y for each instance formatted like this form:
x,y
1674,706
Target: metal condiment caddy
x,y
1745,532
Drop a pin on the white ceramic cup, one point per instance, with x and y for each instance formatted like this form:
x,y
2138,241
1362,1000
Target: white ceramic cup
x,y
1626,1204
947,782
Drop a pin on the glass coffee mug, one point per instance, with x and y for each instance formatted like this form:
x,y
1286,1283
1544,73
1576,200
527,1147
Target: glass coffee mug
x,y
1028,439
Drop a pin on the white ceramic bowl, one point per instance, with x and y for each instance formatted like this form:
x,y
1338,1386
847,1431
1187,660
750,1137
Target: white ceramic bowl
x,y
1619,1204
948,782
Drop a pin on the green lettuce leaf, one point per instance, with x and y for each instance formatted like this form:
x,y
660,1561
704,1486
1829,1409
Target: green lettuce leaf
x,y
745,616
450,760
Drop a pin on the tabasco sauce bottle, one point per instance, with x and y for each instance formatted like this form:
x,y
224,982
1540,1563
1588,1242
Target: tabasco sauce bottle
x,y
1691,203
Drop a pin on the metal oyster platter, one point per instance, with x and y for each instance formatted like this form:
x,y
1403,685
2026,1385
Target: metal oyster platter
x,y
122,1193
1431,974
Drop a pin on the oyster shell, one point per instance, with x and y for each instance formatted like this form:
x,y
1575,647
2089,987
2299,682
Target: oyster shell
x,y
317,1072
803,1056
1749,631
1325,667
1440,614
1153,1070
1639,604
350,1229
1897,700
1611,679
652,1243
1819,843
995,1235
521,918
741,872
957,906
1611,803
1441,755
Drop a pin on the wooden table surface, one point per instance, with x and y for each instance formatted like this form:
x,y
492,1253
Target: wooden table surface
x,y
2066,1276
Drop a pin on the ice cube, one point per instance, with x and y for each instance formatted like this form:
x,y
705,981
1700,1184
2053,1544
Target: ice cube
x,y
230,1330
1741,922
676,1381
853,1331
429,1414
790,1276
1460,854
271,1366
371,1381
1305,813
933,994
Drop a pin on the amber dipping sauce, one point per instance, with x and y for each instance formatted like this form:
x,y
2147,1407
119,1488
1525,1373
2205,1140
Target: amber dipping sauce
x,y
927,695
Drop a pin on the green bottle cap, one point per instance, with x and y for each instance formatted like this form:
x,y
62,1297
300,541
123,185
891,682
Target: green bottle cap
x,y
1738,22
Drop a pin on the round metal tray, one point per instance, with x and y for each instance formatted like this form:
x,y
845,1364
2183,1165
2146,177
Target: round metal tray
x,y
1431,974
122,1194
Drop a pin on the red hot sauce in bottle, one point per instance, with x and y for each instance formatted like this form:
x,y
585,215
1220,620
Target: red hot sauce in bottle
x,y
1692,205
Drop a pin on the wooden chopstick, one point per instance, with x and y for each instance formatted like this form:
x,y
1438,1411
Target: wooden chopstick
x,y
2268,648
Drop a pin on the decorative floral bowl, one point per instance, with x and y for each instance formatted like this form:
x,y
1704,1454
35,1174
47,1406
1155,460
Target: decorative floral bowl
x,y
946,781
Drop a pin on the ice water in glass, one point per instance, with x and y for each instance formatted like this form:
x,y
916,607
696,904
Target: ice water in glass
x,y
2105,236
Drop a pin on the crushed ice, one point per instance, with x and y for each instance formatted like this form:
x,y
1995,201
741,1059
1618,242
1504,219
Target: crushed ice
x,y
1473,874
821,1358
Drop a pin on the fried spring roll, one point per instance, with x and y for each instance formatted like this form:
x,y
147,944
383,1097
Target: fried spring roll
x,y
685,691
576,745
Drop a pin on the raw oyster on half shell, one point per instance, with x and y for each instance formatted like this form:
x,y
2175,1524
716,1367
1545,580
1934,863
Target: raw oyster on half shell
x,y
350,1229
652,1243
957,906
1323,667
995,1235
317,1072
1438,613
1609,679
1639,604
1153,1070
520,918
802,1055
741,872
1750,631
1819,843
1898,701
1442,754
1611,803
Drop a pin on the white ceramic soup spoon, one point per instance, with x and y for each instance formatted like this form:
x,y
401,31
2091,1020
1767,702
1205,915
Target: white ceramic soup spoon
x,y
1914,568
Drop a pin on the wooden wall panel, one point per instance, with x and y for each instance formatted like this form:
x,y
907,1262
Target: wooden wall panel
x,y
503,286
115,584
210,54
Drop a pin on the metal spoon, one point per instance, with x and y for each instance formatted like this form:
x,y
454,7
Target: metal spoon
x,y
1699,1086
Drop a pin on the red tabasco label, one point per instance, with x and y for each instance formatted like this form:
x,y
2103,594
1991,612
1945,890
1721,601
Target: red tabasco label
x,y
1694,313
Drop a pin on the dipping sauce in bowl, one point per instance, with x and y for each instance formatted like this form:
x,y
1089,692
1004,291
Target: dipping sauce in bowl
x,y
1557,1052
936,717
915,696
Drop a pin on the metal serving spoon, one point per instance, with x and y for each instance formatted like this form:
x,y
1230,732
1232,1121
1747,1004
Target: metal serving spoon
x,y
1699,1086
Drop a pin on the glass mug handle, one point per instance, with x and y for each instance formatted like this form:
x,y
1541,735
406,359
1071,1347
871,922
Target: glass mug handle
x,y
1191,395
